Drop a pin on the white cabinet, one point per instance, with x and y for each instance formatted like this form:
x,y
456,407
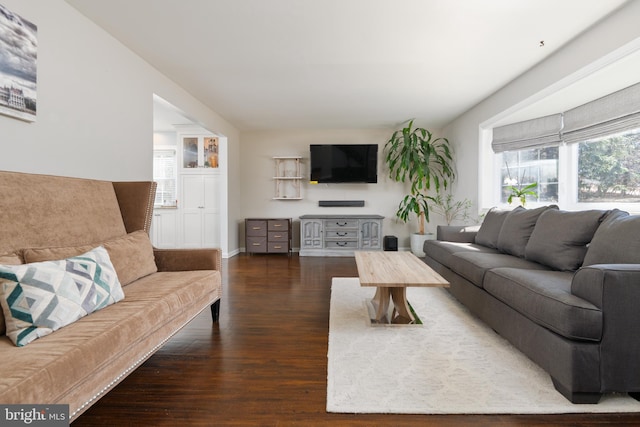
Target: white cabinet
x,y
198,153
164,228
339,235
200,211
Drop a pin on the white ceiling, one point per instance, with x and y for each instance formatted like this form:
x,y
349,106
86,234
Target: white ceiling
x,y
282,64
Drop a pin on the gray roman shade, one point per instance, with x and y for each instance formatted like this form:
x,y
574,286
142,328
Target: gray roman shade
x,y
535,133
604,116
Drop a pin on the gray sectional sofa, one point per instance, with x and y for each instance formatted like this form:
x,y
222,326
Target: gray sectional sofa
x,y
563,287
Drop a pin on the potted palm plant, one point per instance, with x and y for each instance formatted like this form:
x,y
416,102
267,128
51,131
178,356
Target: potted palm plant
x,y
414,155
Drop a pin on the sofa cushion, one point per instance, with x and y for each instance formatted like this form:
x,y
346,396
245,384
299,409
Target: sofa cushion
x,y
517,228
617,240
560,238
102,346
441,251
545,298
490,228
131,255
12,258
41,209
473,265
42,297
457,233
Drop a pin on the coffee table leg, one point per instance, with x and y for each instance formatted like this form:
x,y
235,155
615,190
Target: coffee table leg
x,y
401,305
381,303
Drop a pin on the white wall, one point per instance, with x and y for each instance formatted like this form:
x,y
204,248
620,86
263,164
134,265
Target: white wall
x,y
258,187
95,105
610,35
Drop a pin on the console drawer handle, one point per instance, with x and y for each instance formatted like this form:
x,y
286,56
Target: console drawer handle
x,y
341,224
341,243
341,234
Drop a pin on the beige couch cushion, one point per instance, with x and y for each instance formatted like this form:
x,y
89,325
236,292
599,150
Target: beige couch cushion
x,y
131,255
92,345
13,258
44,210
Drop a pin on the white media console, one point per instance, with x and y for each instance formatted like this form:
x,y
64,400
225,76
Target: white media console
x,y
339,235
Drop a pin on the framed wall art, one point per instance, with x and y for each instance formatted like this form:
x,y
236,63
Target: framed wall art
x,y
18,64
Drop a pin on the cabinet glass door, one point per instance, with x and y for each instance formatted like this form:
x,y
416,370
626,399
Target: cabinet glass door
x,y
190,152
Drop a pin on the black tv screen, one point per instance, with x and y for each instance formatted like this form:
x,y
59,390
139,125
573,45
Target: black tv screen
x,y
343,163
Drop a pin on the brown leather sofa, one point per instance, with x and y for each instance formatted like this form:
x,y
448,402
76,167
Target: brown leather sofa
x,y
51,218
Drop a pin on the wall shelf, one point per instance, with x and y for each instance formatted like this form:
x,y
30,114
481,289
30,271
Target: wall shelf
x,y
288,178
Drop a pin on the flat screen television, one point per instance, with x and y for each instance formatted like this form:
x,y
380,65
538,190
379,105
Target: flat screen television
x,y
344,163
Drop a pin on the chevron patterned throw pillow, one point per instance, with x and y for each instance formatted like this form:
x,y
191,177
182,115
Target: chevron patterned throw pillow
x,y
41,297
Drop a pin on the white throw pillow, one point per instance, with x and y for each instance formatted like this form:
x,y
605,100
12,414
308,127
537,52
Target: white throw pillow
x,y
41,297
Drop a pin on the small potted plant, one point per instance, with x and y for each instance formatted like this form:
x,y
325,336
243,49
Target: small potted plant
x,y
452,209
414,155
521,193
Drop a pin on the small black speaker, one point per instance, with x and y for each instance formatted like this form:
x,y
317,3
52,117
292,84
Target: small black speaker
x,y
390,243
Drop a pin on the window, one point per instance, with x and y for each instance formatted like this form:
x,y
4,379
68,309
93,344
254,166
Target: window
x,y
609,169
524,167
165,175
602,173
587,157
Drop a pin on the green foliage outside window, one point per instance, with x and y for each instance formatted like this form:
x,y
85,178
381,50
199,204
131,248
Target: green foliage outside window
x,y
609,169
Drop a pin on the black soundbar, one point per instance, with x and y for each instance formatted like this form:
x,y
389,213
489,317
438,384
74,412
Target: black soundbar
x,y
342,203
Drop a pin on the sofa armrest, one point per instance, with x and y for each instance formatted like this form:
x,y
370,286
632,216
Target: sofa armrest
x,y
188,259
615,289
602,284
457,233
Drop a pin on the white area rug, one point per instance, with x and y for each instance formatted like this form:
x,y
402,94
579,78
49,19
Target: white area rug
x,y
452,364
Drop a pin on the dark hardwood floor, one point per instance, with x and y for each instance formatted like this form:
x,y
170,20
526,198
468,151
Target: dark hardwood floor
x,y
265,362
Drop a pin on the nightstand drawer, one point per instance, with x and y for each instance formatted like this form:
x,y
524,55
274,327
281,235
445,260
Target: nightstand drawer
x,y
278,247
278,225
256,244
256,228
278,236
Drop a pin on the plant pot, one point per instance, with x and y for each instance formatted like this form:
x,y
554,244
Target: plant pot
x,y
417,242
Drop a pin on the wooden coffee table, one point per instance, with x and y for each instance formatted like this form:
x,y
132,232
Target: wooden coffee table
x,y
392,273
